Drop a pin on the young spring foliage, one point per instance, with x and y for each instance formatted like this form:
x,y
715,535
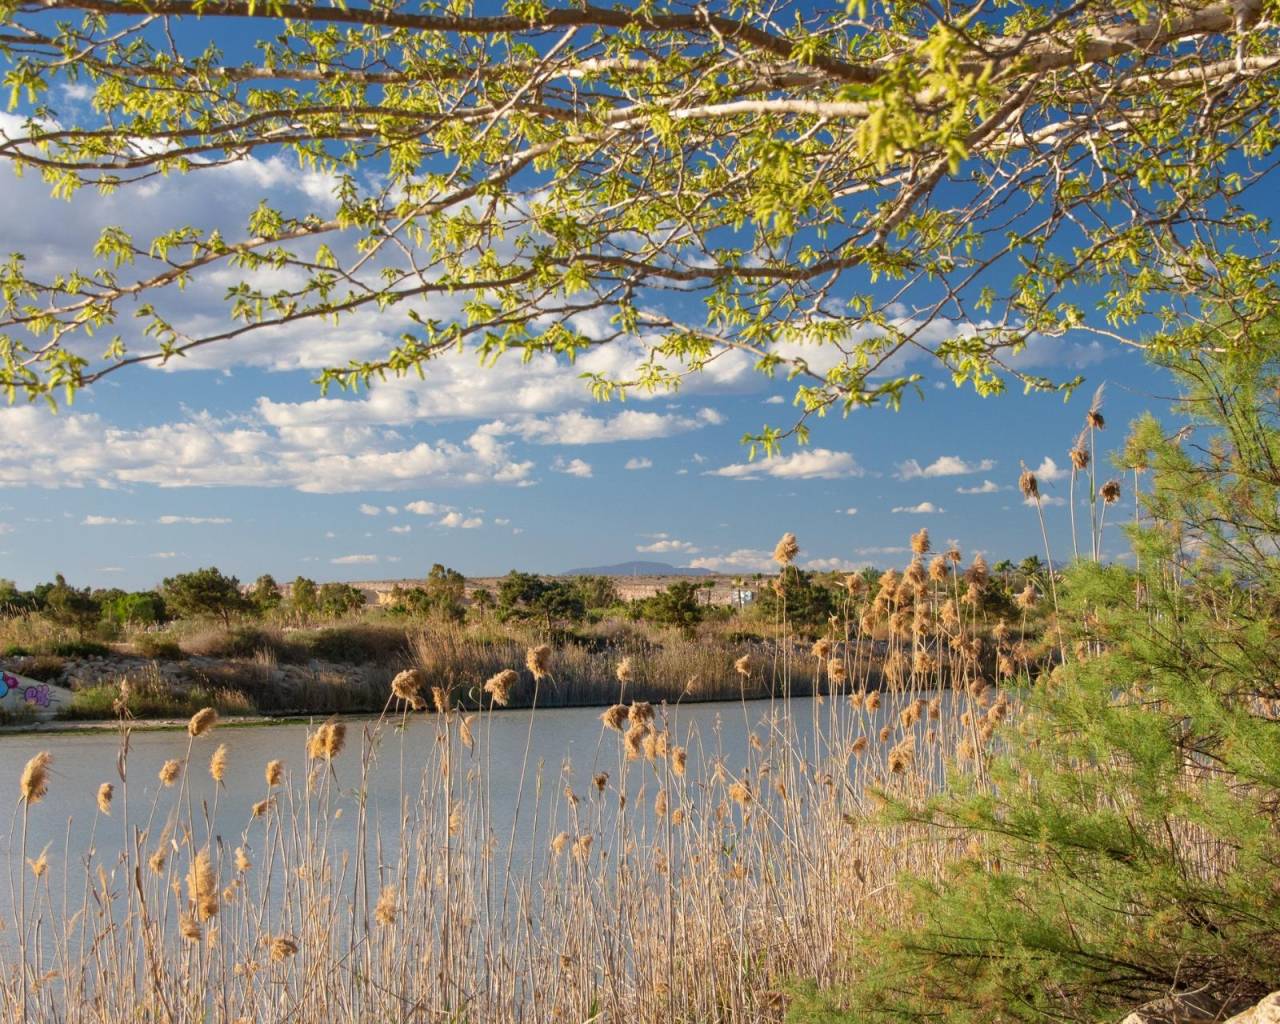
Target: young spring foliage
x,y
846,195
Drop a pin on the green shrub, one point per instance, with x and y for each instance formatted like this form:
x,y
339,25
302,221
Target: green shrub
x,y
80,649
356,645
158,646
1128,842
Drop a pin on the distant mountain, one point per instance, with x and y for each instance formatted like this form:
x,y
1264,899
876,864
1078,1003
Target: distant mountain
x,y
637,569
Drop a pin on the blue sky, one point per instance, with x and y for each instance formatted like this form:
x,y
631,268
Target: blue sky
x,y
232,458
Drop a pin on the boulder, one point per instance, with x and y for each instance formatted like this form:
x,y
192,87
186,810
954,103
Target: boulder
x,y
1265,1012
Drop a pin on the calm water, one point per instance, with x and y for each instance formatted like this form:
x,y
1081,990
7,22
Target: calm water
x,y
568,746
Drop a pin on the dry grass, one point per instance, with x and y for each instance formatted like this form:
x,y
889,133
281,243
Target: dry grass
x,y
689,882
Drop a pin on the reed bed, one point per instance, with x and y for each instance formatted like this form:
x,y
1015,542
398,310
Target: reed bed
x,y
685,879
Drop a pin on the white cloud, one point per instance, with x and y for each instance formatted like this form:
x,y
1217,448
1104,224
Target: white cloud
x,y
193,520
354,559
774,400
391,510
456,520
667,547
424,508
944,465
107,521
742,560
925,508
1049,470
204,451
370,510
847,511
163,554
1045,499
639,463
573,467
576,427
986,487
815,464
401,529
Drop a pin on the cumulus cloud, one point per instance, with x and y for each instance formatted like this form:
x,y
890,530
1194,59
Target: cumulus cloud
x,y
1049,470
354,559
944,465
456,520
815,464
834,565
1045,499
576,427
193,520
986,487
423,508
668,546
639,463
401,529
75,449
370,510
573,467
925,508
742,560
107,521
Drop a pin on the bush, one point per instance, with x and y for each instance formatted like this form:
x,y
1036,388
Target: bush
x,y
43,668
158,646
80,649
1126,845
357,645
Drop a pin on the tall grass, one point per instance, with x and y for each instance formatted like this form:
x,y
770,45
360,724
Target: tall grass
x,y
690,880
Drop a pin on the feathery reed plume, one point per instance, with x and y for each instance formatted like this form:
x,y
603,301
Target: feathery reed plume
x,y
873,700
202,885
34,783
624,671
1026,599
538,661
39,865
1110,492
859,746
600,780
953,553
263,806
1079,454
440,699
105,792
385,912
274,772
189,929
679,759
327,741
1093,418
283,947
633,740
977,574
170,770
660,804
743,666
640,713
500,685
243,863
920,542
465,734
582,846
938,569
740,793
837,673
786,550
156,862
614,717
202,721
559,842
407,687
1029,485
821,649
901,756
218,763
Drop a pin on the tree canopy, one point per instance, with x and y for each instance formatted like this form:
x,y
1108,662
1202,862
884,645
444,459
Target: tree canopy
x,y
844,195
